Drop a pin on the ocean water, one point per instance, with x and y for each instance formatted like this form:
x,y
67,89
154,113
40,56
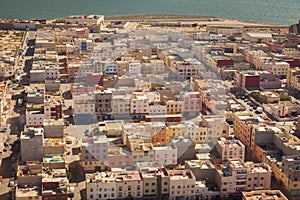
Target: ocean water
x,y
266,11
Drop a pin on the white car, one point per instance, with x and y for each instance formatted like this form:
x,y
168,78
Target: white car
x,y
11,184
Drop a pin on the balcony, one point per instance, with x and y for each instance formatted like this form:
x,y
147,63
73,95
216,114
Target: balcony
x,y
241,177
241,172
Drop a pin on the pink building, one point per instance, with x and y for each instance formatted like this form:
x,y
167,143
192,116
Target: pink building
x,y
119,157
192,102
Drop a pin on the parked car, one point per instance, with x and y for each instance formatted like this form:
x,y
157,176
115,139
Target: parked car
x,y
11,183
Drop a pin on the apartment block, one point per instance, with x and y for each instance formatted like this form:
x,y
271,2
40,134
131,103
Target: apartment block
x,y
141,150
94,153
119,157
230,149
101,185
192,102
182,184
139,103
174,107
167,155
156,181
128,183
32,144
264,194
103,99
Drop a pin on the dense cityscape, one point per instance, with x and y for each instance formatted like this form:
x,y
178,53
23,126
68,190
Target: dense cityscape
x,y
149,107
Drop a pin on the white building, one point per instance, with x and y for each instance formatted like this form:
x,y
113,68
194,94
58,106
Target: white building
x,y
120,104
134,68
139,104
52,72
100,185
167,155
215,126
157,65
83,104
34,118
280,68
157,109
94,153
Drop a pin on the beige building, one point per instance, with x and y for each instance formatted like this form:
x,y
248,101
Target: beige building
x,y
128,183
30,174
258,176
28,193
100,185
120,104
94,153
32,144
54,145
182,183
174,107
264,194
141,150
239,176
293,78
230,149
156,181
7,70
139,103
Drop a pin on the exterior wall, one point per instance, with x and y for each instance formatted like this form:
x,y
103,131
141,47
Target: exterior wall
x,y
174,107
54,130
140,104
250,82
83,104
98,189
7,70
52,73
34,119
120,160
37,75
32,146
134,68
102,101
94,153
192,102
120,105
136,188
182,183
157,109
167,156
230,149
140,156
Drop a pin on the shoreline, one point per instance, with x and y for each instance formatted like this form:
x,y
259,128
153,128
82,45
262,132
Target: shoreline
x,y
179,17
